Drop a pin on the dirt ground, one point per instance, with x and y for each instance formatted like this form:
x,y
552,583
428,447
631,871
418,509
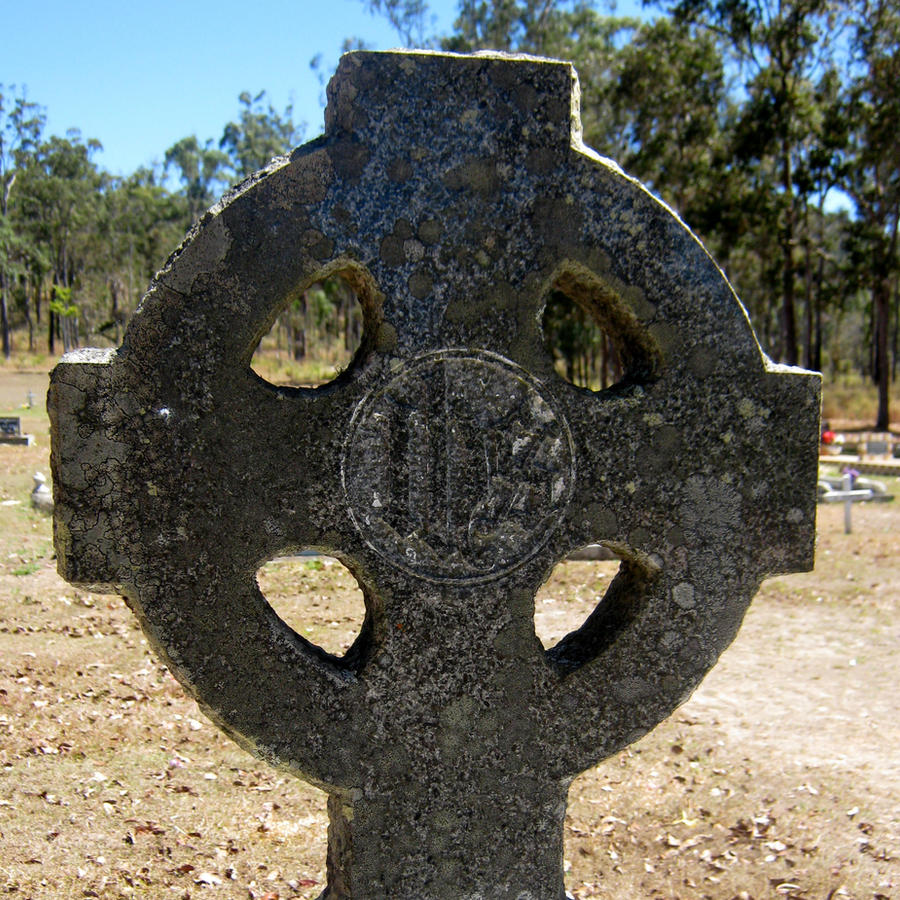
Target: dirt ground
x,y
779,778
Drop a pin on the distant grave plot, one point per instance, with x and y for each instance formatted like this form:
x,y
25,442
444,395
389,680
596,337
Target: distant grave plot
x,y
878,448
11,432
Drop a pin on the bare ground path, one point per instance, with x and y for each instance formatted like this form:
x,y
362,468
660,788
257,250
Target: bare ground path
x,y
779,778
792,780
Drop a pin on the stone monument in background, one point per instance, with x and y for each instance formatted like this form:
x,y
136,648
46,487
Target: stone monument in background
x,y
450,468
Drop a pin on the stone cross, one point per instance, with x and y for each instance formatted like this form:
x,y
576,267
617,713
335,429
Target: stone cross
x,y
450,468
848,496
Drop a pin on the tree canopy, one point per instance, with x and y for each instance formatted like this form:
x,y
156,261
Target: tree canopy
x,y
771,127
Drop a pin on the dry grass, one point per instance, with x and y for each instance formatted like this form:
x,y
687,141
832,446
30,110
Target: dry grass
x,y
848,402
322,364
851,404
779,778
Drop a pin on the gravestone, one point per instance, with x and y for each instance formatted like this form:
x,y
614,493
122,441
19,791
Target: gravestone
x,y
450,468
878,447
11,432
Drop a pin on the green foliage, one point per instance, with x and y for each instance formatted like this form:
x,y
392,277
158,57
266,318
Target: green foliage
x,y
745,117
528,26
259,134
581,349
61,302
407,17
21,123
321,328
671,98
872,174
202,171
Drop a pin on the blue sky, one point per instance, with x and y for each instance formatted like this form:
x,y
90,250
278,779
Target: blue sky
x,y
140,76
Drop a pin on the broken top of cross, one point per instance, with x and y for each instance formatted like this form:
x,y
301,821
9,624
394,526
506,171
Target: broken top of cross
x,y
450,468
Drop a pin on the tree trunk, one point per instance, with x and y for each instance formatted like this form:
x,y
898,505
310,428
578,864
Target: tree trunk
x,y
895,348
820,281
882,288
604,361
299,347
808,293
298,342
788,311
881,298
29,320
4,316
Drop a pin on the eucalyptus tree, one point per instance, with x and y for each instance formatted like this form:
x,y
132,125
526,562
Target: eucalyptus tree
x,y
872,174
409,18
671,96
259,134
61,195
138,223
781,49
527,26
21,123
202,171
595,43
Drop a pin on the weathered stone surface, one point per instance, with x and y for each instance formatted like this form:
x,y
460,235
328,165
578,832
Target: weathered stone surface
x,y
450,468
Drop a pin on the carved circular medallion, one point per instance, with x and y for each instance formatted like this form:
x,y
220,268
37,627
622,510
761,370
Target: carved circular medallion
x,y
457,468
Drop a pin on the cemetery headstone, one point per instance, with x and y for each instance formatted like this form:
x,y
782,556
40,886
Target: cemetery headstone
x,y
450,468
877,447
11,432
